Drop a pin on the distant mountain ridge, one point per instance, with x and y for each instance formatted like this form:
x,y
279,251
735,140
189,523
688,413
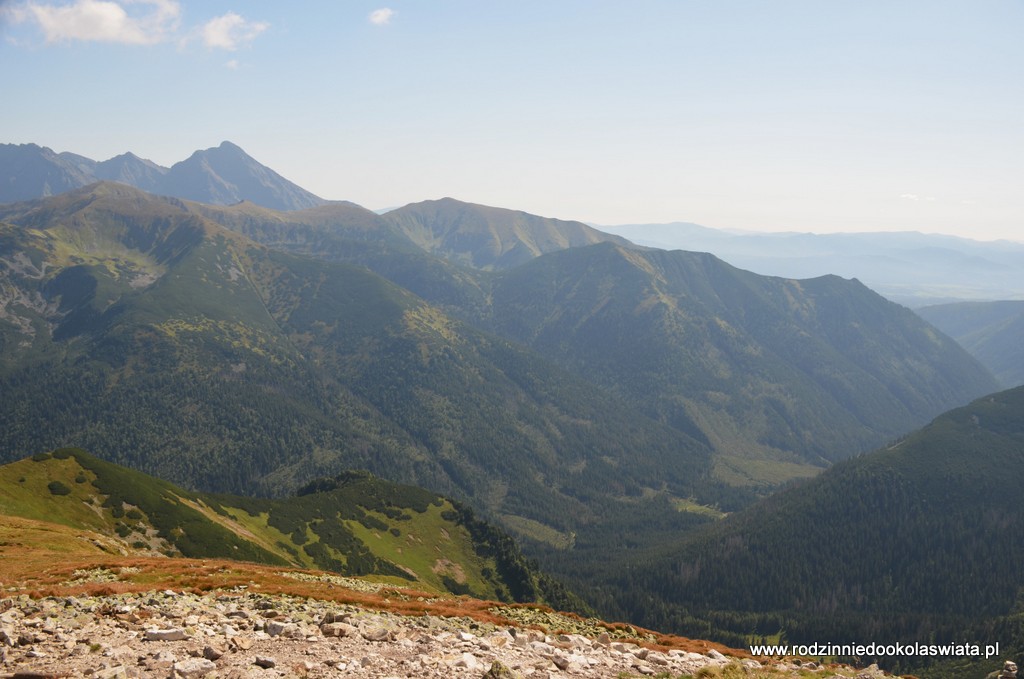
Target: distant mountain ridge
x,y
992,332
488,237
910,268
222,175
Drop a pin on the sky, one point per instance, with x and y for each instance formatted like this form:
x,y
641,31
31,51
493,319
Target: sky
x,y
764,115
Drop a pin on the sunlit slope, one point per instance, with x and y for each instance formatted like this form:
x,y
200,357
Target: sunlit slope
x,y
354,524
488,237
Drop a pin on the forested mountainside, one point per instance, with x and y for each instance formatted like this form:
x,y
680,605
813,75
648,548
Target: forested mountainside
x,y
769,368
794,374
989,331
159,340
913,542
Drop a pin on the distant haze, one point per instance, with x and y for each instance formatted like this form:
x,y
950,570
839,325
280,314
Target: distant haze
x,y
794,115
911,268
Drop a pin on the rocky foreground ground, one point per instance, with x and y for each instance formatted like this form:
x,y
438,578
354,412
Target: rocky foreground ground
x,y
241,634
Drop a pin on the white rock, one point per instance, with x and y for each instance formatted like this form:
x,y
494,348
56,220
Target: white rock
x,y
467,660
171,634
194,667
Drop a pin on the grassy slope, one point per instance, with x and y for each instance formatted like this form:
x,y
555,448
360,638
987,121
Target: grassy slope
x,y
488,237
365,526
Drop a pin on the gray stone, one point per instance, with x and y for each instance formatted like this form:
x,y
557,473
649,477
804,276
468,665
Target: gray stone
x,y
335,616
194,667
171,634
467,660
561,662
265,661
275,628
241,643
376,634
338,629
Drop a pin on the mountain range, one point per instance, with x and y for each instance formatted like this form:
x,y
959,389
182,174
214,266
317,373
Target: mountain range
x,y
222,175
710,359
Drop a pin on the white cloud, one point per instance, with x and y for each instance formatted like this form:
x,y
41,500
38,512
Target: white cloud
x,y
910,196
232,64
130,22
382,16
230,31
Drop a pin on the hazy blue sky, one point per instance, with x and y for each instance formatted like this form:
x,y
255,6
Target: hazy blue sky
x,y
811,115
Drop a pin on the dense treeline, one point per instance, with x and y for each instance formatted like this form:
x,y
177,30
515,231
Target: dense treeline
x,y
915,543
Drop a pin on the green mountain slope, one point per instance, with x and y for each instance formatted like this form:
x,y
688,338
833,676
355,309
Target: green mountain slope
x,y
801,371
354,524
488,237
993,332
915,542
782,377
146,333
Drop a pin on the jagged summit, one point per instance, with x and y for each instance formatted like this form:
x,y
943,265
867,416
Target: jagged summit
x,y
222,175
